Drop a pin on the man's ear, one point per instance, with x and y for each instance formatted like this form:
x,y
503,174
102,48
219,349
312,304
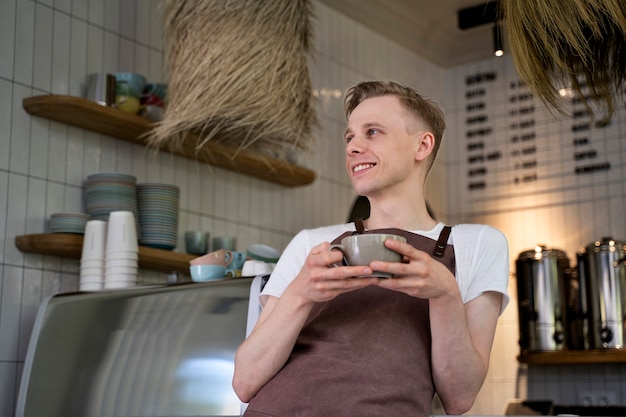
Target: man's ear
x,y
426,146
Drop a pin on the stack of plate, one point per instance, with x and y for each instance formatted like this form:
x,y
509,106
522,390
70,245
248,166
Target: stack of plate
x,y
109,192
68,223
158,215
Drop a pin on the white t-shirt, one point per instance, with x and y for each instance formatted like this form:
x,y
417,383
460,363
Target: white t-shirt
x,y
481,257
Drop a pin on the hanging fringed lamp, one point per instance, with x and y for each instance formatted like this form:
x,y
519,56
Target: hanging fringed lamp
x,y
577,45
238,76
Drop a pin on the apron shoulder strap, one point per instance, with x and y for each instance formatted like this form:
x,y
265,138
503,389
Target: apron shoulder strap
x,y
440,247
358,224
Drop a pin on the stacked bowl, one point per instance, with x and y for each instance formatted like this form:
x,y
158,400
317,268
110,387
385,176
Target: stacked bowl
x,y
122,251
68,223
158,206
107,192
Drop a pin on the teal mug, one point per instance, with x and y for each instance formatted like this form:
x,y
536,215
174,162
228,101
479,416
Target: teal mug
x,y
237,260
203,273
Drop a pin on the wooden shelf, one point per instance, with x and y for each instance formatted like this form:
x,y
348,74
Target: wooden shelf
x,y
572,357
88,115
67,245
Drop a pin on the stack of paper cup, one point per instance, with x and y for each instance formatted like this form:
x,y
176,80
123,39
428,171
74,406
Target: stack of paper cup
x,y
122,251
92,257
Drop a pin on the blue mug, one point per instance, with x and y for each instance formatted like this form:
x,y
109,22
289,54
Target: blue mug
x,y
203,273
237,260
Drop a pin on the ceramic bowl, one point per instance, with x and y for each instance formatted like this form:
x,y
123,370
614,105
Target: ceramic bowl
x,y
263,253
203,273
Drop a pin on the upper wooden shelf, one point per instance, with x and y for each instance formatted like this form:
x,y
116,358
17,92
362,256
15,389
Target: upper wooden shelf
x,y
67,245
86,114
572,357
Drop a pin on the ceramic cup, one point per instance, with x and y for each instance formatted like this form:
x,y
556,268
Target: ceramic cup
x,y
365,248
224,242
263,253
136,82
196,242
155,90
125,98
220,257
237,261
252,268
203,273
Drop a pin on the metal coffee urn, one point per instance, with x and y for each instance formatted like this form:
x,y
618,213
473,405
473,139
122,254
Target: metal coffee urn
x,y
601,266
541,290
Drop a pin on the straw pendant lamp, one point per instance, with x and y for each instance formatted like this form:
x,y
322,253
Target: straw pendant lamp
x,y
576,44
238,75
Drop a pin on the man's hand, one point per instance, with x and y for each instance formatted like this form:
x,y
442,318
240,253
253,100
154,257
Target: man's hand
x,y
320,281
419,275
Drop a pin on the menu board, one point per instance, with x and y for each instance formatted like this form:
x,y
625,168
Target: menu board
x,y
513,144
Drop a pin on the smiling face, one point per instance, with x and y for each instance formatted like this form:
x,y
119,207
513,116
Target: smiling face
x,y
383,145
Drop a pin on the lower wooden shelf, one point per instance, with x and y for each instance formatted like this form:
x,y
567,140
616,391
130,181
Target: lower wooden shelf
x,y
67,245
572,357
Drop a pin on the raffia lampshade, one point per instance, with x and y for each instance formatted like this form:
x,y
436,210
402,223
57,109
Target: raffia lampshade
x,y
238,75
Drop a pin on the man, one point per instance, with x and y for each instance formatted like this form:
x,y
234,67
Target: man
x,y
329,343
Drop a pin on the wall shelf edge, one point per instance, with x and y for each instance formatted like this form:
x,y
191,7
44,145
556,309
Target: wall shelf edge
x,y
572,357
88,115
66,245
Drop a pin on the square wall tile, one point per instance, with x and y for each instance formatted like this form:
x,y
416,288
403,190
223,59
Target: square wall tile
x,y
8,387
61,45
10,309
78,58
6,113
24,42
7,37
15,217
43,47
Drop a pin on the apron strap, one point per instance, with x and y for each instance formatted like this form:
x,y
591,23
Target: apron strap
x,y
440,247
358,224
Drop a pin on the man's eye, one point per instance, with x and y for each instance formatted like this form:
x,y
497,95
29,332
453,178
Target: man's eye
x,y
371,132
348,139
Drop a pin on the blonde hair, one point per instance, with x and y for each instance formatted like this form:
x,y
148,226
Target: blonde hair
x,y
421,107
558,44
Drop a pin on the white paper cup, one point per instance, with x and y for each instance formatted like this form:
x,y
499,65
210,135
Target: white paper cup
x,y
91,279
120,263
120,284
88,270
122,232
94,240
117,270
120,276
90,286
92,263
126,255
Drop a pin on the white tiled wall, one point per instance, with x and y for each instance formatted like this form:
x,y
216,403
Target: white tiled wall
x,y
49,46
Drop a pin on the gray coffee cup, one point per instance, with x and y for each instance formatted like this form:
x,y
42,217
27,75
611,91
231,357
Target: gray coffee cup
x,y
365,248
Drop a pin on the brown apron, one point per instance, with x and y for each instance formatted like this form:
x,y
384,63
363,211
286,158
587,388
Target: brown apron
x,y
364,353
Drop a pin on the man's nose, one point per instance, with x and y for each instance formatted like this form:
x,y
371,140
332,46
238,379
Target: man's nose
x,y
354,146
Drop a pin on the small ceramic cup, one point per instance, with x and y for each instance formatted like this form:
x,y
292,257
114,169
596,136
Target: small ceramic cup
x,y
252,268
365,248
220,257
196,242
238,260
203,273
